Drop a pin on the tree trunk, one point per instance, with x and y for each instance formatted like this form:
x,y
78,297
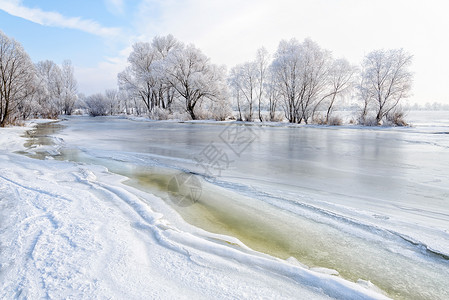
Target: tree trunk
x,y
379,116
192,114
330,108
4,117
240,111
190,107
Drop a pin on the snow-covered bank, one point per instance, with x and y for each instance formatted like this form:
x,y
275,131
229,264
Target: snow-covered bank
x,y
75,231
10,139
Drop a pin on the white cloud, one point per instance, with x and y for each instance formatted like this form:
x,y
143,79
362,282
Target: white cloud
x,y
116,7
101,77
54,19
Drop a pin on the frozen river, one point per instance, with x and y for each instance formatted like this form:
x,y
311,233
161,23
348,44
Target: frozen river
x,y
368,203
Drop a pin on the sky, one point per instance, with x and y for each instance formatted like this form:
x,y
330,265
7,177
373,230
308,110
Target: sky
x,y
97,35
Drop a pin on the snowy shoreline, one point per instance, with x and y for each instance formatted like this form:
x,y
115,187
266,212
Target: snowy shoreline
x,y
74,230
412,127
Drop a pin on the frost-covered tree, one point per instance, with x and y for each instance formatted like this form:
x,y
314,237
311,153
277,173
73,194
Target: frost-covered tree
x,y
97,105
301,71
340,82
124,102
113,99
57,88
165,92
17,80
69,87
244,81
386,79
49,88
164,44
262,63
220,108
234,85
247,82
145,77
139,78
316,63
272,93
194,78
302,78
287,67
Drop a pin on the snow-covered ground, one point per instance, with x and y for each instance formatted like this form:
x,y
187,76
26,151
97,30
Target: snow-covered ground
x,y
363,204
74,231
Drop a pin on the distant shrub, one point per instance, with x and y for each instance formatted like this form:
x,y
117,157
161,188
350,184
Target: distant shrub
x,y
396,118
203,114
76,112
335,121
159,114
332,121
276,117
319,119
221,111
247,117
368,121
182,116
97,105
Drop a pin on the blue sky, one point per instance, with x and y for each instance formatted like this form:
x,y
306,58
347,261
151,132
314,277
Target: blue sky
x,y
57,43
97,35
92,34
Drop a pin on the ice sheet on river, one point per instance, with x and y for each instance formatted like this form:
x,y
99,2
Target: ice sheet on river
x,y
75,231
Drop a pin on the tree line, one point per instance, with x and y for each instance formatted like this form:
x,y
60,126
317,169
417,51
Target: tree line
x,y
300,83
33,90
